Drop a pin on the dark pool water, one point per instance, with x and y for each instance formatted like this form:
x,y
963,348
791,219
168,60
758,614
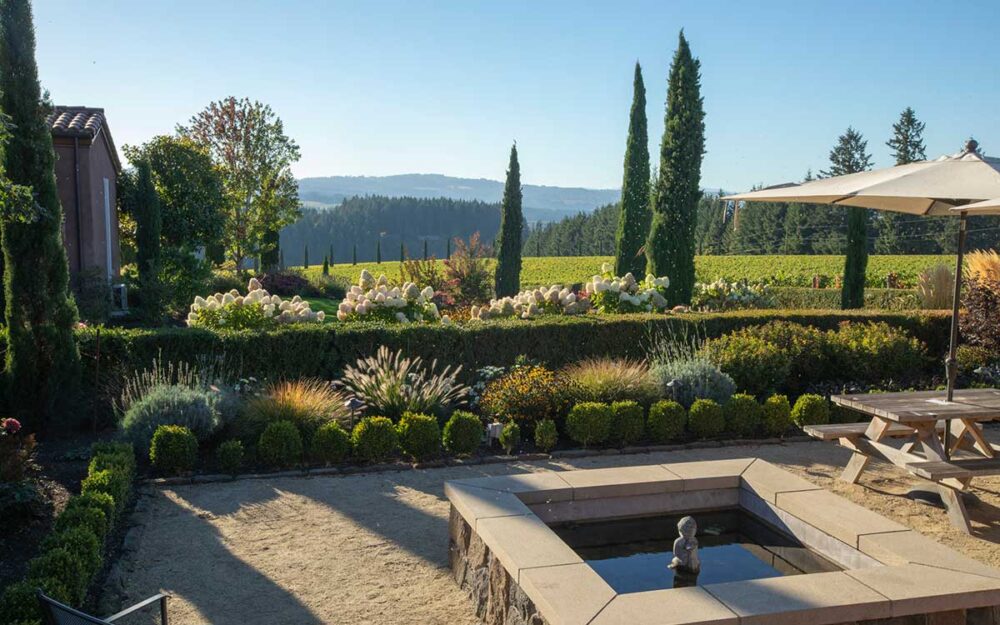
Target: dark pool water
x,y
632,555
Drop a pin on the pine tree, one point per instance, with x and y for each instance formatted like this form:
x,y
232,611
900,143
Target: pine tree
x,y
402,252
633,220
305,257
849,156
670,246
148,225
508,272
42,360
378,251
900,233
354,254
326,265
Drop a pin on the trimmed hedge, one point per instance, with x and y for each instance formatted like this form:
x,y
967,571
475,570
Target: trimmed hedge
x,y
71,555
589,423
174,449
419,436
280,445
463,433
322,350
706,419
330,444
374,439
666,421
627,422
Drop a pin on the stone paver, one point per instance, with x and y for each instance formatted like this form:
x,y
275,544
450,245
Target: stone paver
x,y
835,515
919,589
524,542
766,481
676,606
480,503
700,475
566,595
911,547
622,482
538,487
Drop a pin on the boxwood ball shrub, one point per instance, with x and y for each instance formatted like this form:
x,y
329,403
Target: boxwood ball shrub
x,y
546,435
280,445
743,415
330,444
627,425
174,449
93,499
19,605
811,409
666,421
230,455
114,483
169,405
61,565
419,436
81,543
463,433
91,518
510,436
777,415
706,419
589,423
374,439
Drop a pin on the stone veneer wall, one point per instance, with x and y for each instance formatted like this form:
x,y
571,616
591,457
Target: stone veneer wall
x,y
498,600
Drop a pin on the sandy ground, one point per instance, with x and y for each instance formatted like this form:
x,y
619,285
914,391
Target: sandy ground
x,y
372,548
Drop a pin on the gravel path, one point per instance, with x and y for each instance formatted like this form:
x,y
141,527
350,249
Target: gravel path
x,y
372,548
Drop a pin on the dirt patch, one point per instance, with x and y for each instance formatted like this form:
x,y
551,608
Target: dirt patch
x,y
373,548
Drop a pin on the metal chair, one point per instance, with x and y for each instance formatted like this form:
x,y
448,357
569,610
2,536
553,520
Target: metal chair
x,y
58,614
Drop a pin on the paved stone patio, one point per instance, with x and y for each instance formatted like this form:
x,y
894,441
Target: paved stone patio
x,y
373,548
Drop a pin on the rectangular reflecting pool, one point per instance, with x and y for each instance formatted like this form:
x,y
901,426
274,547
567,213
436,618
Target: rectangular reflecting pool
x,y
632,555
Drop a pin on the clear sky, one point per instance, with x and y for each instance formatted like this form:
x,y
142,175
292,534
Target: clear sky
x,y
387,87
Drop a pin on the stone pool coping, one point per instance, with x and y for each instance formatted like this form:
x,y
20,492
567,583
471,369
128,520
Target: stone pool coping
x,y
889,570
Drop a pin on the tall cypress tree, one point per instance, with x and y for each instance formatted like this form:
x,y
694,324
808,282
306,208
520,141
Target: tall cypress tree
x,y
305,257
899,233
43,363
508,272
671,242
148,225
354,254
849,156
378,252
633,219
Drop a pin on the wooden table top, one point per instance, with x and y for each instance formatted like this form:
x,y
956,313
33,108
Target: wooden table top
x,y
977,404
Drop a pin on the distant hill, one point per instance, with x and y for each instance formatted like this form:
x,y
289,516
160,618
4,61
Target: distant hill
x,y
541,203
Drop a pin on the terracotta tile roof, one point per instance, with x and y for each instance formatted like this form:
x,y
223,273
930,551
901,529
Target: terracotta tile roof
x,y
76,121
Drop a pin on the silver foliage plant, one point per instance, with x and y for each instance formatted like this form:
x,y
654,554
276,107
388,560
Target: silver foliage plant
x,y
390,384
682,371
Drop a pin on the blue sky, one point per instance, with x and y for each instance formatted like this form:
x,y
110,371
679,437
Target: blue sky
x,y
378,87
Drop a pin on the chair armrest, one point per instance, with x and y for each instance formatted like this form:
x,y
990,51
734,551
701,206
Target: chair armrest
x,y
158,597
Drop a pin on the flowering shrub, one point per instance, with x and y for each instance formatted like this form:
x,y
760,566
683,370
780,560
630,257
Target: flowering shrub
x,y
612,294
527,394
374,300
721,295
257,310
555,300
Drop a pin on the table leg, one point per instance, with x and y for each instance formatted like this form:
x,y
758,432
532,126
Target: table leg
x,y
957,513
877,430
981,444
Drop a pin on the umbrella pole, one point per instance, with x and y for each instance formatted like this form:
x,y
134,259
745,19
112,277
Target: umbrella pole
x,y
951,364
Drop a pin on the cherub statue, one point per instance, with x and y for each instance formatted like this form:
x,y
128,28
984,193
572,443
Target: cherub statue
x,y
686,548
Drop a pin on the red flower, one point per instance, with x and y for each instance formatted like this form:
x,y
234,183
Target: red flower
x,y
10,426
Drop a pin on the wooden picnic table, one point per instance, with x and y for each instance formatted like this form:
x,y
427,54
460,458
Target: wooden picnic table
x,y
941,441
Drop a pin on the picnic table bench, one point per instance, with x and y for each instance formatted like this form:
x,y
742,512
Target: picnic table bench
x,y
941,441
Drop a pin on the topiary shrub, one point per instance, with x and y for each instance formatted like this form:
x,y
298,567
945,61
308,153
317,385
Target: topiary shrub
x,y
419,436
91,518
174,449
589,423
19,604
63,566
743,415
706,419
757,366
169,405
546,435
330,444
463,433
114,483
374,439
94,499
280,445
229,455
811,409
81,543
510,437
777,415
666,421
684,381
626,423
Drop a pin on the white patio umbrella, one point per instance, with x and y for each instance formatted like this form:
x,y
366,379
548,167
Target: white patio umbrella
x,y
954,185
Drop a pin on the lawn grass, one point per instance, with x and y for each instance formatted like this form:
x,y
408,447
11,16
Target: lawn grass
x,y
776,270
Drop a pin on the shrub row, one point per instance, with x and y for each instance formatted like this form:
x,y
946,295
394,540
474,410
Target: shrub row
x,y
71,556
791,297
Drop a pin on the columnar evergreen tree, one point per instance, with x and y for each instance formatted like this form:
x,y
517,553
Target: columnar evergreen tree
x,y
633,221
42,361
402,252
849,156
671,242
270,253
326,265
378,251
508,271
447,253
330,255
354,254
148,227
305,257
425,249
899,233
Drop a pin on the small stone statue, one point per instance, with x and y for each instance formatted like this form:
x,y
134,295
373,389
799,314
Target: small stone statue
x,y
686,559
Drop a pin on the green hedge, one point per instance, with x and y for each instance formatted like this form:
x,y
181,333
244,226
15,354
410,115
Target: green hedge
x,y
825,299
323,350
71,555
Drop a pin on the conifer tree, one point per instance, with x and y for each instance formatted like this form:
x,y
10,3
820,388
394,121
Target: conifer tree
x,y
281,259
670,246
448,249
330,255
425,249
148,226
354,254
326,265
270,256
849,156
42,360
402,252
508,272
305,257
899,233
378,251
633,220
